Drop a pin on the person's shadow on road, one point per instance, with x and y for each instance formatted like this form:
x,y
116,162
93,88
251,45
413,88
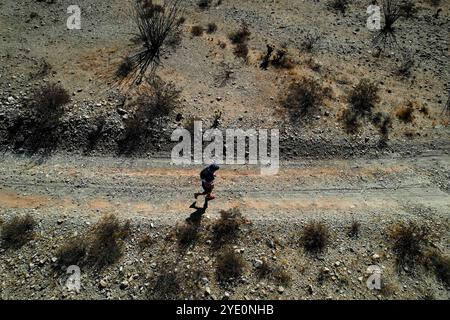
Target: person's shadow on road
x,y
197,215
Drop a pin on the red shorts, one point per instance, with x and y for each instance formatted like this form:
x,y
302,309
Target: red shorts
x,y
208,187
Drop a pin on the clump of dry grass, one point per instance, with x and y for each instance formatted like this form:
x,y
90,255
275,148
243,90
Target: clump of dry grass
x,y
211,27
241,35
105,243
363,97
187,233
99,247
197,30
408,242
440,264
146,241
274,273
315,237
167,286
17,231
405,113
230,266
339,5
354,229
304,98
310,41
228,226
72,252
241,51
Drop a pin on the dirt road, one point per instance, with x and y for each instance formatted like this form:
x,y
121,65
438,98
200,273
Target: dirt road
x,y
155,188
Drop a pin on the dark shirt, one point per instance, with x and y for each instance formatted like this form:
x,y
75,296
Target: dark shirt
x,y
207,175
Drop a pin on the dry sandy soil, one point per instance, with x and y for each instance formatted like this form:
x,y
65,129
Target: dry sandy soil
x,y
326,174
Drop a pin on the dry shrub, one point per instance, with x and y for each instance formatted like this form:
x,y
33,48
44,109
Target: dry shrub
x,y
17,231
351,121
125,67
405,113
310,41
227,227
152,110
166,287
230,266
440,264
406,65
146,241
354,229
282,60
196,30
274,273
241,35
409,241
72,253
211,28
315,237
106,240
339,5
364,97
408,8
187,233
383,122
304,98
241,51
204,4
159,31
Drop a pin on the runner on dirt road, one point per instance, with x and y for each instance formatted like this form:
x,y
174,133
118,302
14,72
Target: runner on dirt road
x,y
207,175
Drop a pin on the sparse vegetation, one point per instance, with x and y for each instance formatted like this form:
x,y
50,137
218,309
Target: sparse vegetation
x,y
354,229
304,98
364,97
105,241
409,242
440,264
281,59
158,29
146,241
197,30
211,28
274,273
17,231
315,237
124,69
386,36
241,51
406,65
227,227
73,252
240,36
310,41
204,4
187,233
166,287
405,113
339,5
408,8
108,234
230,266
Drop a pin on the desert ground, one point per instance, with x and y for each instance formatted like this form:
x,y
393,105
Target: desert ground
x,y
96,190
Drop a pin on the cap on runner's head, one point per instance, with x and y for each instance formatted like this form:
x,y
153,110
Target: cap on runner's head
x,y
213,167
